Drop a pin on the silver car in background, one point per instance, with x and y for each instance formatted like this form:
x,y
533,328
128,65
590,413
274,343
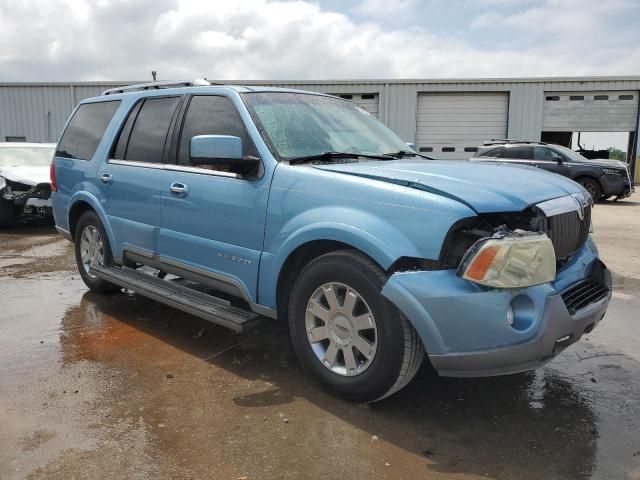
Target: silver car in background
x,y
25,188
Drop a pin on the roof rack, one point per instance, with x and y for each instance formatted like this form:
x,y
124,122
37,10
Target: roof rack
x,y
198,82
499,141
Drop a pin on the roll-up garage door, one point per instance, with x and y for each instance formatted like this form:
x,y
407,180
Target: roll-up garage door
x,y
590,111
452,125
368,101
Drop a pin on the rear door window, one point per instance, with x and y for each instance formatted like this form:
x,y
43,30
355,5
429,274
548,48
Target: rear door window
x,y
85,130
494,152
143,136
519,153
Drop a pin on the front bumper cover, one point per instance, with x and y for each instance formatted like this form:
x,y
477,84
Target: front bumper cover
x,y
464,328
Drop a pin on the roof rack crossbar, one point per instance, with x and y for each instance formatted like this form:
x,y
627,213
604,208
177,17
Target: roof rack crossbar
x,y
198,82
495,141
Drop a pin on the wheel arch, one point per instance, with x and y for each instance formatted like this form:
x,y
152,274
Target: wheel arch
x,y
296,261
82,203
589,176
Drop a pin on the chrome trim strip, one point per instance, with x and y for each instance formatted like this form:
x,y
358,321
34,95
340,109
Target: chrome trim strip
x,y
66,234
570,203
128,163
174,168
206,273
202,171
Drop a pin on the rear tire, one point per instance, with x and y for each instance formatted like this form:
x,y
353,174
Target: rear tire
x,y
369,350
8,214
92,245
592,186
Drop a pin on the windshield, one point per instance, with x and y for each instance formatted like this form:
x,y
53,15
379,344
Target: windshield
x,y
30,156
299,125
574,156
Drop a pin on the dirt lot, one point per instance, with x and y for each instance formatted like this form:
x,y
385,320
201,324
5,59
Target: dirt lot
x,y
120,387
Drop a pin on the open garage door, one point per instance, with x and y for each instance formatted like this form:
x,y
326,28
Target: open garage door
x,y
369,101
590,111
452,125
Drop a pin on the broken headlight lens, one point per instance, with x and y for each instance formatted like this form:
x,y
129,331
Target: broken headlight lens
x,y
512,260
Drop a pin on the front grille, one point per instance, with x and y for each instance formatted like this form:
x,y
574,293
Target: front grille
x,y
567,232
583,294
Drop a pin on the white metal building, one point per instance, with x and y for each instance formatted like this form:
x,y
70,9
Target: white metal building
x,y
445,118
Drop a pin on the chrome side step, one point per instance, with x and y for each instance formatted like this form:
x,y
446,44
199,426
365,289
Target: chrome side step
x,y
194,302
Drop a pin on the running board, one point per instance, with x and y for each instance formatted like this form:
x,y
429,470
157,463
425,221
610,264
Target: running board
x,y
207,307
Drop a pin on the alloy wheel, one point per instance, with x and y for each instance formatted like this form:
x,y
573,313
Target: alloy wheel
x,y
341,329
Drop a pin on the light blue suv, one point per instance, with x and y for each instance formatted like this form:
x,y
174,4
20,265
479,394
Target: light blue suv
x,y
237,203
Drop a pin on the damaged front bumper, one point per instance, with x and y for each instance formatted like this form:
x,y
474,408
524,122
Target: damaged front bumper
x,y
471,331
27,199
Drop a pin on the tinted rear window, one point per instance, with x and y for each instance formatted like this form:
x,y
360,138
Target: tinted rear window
x,y
149,132
494,152
519,153
85,130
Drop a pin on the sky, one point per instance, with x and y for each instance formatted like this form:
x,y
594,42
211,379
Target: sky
x,y
60,40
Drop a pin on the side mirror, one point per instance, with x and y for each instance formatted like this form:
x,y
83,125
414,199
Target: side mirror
x,y
219,150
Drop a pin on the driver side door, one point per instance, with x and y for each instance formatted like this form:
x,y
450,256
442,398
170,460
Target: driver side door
x,y
213,219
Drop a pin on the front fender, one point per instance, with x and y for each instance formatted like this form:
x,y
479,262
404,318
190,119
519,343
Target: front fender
x,y
380,241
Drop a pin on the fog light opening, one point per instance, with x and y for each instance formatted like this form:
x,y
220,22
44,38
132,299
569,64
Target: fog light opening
x,y
521,313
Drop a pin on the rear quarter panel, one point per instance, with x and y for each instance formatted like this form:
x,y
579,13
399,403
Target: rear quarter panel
x,y
77,179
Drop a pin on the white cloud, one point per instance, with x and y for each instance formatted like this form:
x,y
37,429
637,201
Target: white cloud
x,y
382,8
261,39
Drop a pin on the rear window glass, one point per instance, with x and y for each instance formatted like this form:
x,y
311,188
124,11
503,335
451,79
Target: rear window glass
x,y
85,130
149,132
519,153
494,152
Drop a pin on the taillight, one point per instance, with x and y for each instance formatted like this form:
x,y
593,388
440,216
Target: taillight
x,y
52,177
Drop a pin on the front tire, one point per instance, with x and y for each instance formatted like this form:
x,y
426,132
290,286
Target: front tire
x,y
593,187
91,247
346,334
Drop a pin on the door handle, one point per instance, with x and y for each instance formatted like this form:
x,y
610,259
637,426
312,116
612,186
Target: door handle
x,y
106,178
179,189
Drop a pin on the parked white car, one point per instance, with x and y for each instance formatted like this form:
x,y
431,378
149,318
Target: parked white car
x,y
25,188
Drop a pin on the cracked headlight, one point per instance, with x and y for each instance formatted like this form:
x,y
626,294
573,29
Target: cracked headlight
x,y
514,260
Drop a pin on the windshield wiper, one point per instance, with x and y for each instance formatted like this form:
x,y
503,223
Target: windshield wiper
x,y
335,155
407,153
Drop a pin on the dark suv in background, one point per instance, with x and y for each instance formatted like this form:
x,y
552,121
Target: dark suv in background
x,y
602,178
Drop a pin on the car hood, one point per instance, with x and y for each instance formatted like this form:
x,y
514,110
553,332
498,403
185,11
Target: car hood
x,y
484,187
605,162
27,174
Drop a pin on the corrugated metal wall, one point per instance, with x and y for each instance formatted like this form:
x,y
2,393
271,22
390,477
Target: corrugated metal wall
x,y
39,111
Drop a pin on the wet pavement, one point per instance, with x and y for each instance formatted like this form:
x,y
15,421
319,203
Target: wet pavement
x,y
117,386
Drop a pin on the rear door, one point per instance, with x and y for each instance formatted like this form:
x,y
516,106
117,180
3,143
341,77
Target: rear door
x,y
131,181
213,225
521,155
